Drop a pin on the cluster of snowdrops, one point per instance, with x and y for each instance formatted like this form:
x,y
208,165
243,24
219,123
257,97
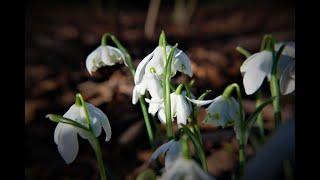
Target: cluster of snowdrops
x,y
159,97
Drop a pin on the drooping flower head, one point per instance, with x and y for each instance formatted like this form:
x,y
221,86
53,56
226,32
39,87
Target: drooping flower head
x,y
180,108
172,151
222,110
104,55
151,68
258,66
65,135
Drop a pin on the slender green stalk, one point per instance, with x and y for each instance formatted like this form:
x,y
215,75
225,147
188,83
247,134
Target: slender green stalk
x,y
166,83
96,147
80,101
275,92
197,145
167,107
227,93
185,148
275,87
132,70
260,117
147,122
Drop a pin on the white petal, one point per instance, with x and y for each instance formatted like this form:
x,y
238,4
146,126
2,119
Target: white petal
x,y
289,49
221,112
200,102
185,169
174,152
141,68
287,81
244,66
162,116
111,55
153,85
98,119
183,110
94,61
173,105
161,150
256,70
76,113
156,63
68,143
138,91
57,132
154,105
182,63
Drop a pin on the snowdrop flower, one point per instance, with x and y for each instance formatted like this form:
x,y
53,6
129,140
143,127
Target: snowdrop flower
x,y
65,135
151,83
258,66
287,80
104,55
185,169
154,63
222,110
172,151
180,108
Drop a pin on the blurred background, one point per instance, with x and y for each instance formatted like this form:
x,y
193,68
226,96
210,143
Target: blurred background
x,y
60,34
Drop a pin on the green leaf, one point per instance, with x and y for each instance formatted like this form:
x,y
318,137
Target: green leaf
x,y
162,39
243,51
60,119
279,52
197,145
253,117
203,95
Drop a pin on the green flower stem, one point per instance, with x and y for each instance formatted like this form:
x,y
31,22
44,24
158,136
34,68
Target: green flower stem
x,y
275,87
147,121
227,93
275,92
166,83
200,153
96,147
185,147
141,99
167,107
179,89
121,47
260,117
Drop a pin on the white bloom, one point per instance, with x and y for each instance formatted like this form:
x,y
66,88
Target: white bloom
x,y
287,80
154,63
180,108
185,169
172,151
65,135
222,111
104,56
289,49
258,66
151,83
